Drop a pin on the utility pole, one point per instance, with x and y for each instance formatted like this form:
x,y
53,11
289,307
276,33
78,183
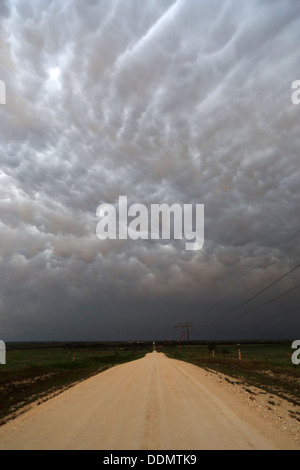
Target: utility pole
x,y
184,329
188,332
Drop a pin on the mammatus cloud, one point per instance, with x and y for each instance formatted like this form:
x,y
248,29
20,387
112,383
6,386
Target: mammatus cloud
x,y
165,102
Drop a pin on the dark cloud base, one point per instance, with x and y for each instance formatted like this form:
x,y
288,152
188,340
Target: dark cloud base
x,y
173,101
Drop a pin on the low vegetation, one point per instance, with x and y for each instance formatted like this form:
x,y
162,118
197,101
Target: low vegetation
x,y
266,366
34,371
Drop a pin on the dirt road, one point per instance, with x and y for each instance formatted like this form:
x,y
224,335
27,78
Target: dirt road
x,y
153,403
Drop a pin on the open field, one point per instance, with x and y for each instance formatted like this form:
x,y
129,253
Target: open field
x,y
267,366
258,376
153,403
36,371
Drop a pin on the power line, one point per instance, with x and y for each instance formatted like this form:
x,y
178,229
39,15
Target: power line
x,y
260,267
255,295
279,248
263,305
291,310
262,290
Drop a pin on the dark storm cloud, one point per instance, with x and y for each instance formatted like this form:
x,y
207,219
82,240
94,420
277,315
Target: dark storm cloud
x,y
173,101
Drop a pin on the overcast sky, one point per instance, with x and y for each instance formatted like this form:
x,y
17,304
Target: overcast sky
x,y
166,102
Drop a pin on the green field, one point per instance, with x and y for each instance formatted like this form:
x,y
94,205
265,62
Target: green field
x,y
32,373
267,366
274,354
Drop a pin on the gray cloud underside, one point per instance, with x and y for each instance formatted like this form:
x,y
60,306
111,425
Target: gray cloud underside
x,y
162,101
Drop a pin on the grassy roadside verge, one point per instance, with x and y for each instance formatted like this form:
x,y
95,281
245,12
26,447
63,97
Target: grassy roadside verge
x,y
273,377
31,375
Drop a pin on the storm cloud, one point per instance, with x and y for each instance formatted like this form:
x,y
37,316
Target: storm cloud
x,y
164,102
